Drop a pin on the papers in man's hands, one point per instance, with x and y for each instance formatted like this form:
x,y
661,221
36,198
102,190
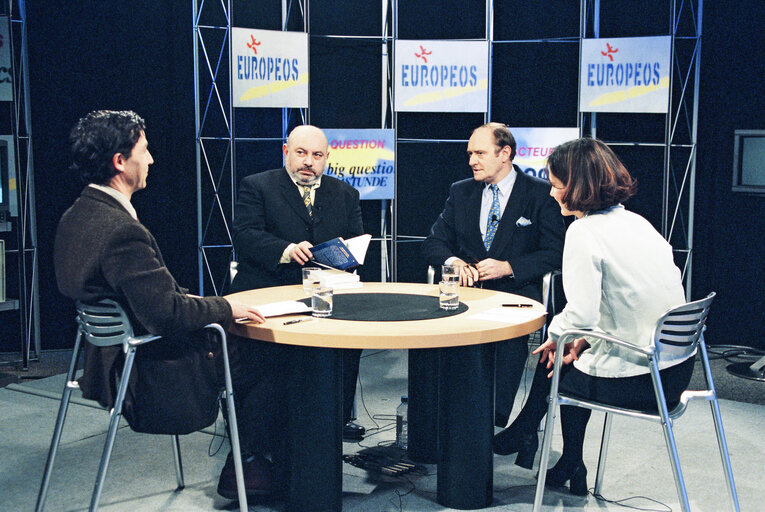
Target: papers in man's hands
x,y
340,254
287,307
358,246
510,316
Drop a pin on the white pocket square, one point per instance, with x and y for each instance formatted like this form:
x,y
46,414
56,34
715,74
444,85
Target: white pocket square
x,y
522,221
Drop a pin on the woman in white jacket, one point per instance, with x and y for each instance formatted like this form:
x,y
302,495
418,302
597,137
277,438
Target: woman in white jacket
x,y
619,277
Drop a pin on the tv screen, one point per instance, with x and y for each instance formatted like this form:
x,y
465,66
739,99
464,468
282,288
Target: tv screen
x,y
749,161
4,185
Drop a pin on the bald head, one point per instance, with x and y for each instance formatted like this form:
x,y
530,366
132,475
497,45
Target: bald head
x,y
305,154
307,132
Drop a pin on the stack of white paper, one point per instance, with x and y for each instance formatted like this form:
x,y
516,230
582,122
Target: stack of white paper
x,y
286,307
338,280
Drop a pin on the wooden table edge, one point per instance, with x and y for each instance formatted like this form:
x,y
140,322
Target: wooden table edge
x,y
432,333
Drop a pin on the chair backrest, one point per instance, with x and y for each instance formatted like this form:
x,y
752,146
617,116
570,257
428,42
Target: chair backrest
x,y
104,324
677,332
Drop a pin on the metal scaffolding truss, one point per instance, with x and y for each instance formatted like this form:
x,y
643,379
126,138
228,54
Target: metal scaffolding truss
x,y
679,142
216,136
22,252
214,129
681,137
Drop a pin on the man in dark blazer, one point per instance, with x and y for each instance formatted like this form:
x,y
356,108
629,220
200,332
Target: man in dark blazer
x,y
102,251
525,239
279,215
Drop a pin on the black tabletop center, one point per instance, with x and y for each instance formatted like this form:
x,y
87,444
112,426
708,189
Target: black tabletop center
x,y
388,307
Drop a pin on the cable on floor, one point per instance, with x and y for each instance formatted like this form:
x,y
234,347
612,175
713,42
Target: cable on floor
x,y
734,353
621,502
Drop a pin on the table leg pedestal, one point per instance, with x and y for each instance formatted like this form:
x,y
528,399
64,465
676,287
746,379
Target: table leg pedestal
x,y
423,405
466,426
315,430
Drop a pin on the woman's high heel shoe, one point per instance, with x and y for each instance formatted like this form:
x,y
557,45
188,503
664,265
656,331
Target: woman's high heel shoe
x,y
572,472
508,442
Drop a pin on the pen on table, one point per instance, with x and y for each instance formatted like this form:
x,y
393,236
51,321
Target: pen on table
x,y
290,322
517,305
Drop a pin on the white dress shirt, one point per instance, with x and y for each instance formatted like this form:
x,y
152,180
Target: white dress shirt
x,y
286,254
119,196
619,277
487,197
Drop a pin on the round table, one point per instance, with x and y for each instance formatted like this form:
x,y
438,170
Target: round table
x,y
451,379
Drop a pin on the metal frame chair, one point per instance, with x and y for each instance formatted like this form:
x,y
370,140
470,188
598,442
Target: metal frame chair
x,y
548,299
105,324
678,332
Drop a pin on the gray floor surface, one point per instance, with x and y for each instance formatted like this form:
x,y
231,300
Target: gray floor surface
x,y
141,476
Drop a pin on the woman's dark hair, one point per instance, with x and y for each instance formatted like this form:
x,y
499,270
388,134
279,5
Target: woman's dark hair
x,y
97,137
593,176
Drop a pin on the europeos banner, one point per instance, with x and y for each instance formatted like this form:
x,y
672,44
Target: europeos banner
x,y
270,68
441,76
534,145
6,84
628,74
364,159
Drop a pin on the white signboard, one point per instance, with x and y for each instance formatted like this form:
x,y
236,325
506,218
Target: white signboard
x,y
441,76
6,80
270,68
365,159
534,145
628,74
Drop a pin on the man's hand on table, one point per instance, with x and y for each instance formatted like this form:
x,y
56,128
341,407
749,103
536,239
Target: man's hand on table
x,y
242,311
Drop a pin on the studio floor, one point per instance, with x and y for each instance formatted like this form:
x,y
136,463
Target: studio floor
x,y
141,475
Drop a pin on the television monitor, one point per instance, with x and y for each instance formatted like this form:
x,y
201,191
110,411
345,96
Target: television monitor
x,y
749,161
5,196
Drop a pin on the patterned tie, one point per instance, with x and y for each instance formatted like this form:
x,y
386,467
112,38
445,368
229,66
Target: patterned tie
x,y
307,200
491,223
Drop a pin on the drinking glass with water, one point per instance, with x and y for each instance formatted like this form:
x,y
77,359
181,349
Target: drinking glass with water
x,y
310,279
448,295
321,301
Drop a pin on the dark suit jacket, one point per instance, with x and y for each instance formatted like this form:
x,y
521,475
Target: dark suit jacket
x,y
532,250
270,214
101,252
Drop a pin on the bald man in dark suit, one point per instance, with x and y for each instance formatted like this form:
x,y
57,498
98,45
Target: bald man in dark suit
x,y
279,215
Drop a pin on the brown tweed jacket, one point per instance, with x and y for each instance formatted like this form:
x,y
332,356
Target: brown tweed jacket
x,y
101,252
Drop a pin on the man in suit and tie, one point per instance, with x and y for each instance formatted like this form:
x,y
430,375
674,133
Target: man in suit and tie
x,y
279,215
504,232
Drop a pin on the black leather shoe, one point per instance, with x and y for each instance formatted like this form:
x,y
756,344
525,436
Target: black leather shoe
x,y
509,441
353,431
261,477
572,472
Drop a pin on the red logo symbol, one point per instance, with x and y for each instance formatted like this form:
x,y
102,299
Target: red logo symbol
x,y
254,44
609,51
423,53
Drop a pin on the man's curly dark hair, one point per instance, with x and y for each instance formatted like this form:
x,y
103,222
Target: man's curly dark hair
x,y
97,137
